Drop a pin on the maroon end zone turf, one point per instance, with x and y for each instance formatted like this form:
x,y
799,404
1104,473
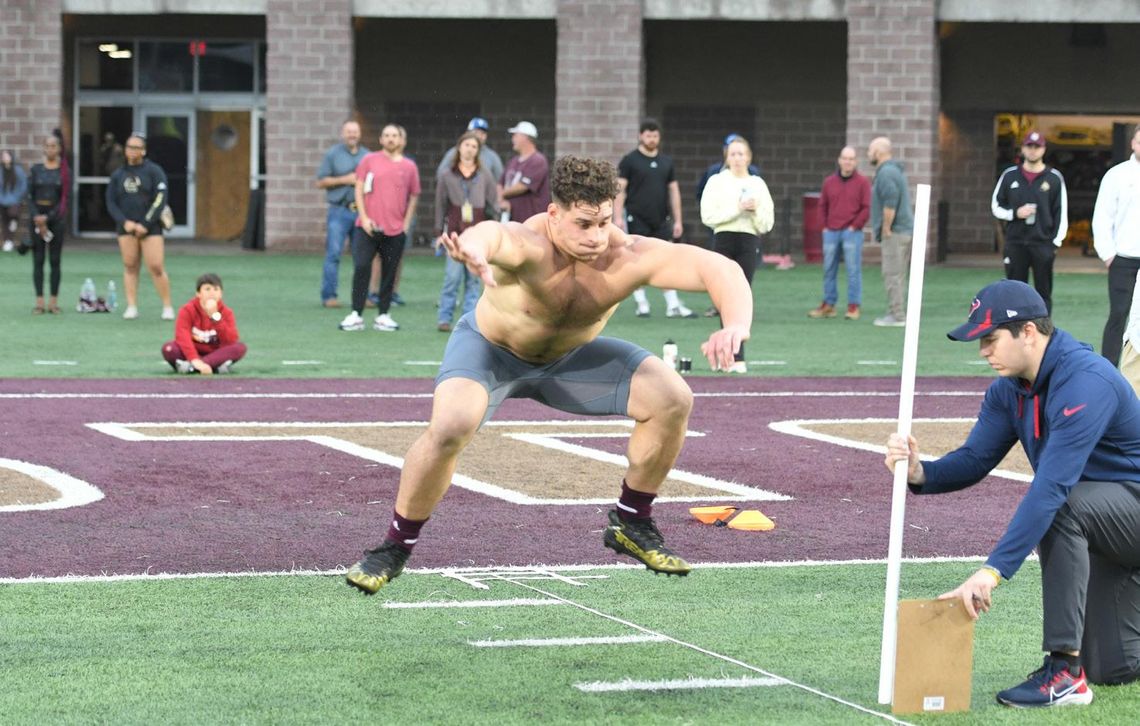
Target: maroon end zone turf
x,y
239,506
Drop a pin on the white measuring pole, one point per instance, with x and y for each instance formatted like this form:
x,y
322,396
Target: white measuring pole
x,y
906,412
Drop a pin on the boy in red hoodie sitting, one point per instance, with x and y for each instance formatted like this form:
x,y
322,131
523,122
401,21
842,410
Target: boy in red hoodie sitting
x,y
205,333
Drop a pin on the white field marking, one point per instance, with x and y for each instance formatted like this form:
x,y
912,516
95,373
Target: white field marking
x,y
727,490
877,362
767,363
452,571
423,362
569,642
706,482
55,363
705,651
333,396
676,685
517,602
301,362
798,427
475,580
72,492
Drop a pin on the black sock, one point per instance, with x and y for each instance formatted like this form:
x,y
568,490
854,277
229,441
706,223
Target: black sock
x,y
404,532
1073,661
634,504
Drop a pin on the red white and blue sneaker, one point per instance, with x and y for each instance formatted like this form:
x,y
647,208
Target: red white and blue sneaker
x,y
1053,684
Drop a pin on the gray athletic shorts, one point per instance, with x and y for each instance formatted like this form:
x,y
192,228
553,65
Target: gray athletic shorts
x,y
593,379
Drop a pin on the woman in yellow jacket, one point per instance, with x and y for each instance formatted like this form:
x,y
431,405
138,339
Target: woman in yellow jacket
x,y
739,209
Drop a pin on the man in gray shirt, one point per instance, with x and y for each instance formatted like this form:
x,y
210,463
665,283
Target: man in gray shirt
x,y
892,223
337,176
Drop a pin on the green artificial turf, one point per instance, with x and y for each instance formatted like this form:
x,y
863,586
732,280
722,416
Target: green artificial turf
x,y
307,649
275,297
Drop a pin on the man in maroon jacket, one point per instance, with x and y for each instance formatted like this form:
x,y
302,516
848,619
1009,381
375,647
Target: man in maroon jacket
x,y
845,204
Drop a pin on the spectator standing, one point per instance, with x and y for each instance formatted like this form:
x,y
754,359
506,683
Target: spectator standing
x,y
13,189
526,180
489,159
649,204
1116,238
111,154
1031,199
47,206
205,333
892,223
465,194
337,176
739,208
844,205
387,188
136,196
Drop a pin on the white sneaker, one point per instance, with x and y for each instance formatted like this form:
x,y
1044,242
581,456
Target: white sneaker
x,y
352,322
168,313
131,313
890,321
680,312
9,245
737,367
224,368
13,225
385,323
642,311
183,366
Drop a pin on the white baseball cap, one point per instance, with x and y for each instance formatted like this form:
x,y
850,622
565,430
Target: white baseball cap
x,y
524,127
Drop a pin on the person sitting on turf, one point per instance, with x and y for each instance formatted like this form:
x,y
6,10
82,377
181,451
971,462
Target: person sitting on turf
x,y
205,333
550,285
1078,421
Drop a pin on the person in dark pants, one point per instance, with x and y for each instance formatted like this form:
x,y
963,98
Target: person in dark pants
x,y
739,208
1031,199
387,188
1116,237
1078,421
47,205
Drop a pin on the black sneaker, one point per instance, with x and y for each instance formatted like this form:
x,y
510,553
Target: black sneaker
x,y
1053,684
379,567
641,540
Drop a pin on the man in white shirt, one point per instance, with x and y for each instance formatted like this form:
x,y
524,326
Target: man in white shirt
x,y
1116,237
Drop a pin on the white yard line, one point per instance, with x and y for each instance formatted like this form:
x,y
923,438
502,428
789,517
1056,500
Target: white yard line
x,y
568,642
334,396
676,685
705,651
517,602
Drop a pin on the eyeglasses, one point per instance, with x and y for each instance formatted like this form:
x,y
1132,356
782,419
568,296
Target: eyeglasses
x,y
136,146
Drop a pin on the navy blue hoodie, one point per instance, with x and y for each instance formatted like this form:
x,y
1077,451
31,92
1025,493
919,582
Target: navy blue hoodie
x,y
1078,421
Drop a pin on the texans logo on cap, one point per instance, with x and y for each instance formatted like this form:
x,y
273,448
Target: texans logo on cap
x,y
975,305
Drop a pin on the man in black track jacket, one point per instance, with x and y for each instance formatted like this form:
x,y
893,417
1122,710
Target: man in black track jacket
x,y
1030,198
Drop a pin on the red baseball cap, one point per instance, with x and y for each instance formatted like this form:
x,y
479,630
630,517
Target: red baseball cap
x,y
1033,138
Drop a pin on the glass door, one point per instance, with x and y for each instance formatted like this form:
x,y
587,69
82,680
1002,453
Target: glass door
x,y
170,144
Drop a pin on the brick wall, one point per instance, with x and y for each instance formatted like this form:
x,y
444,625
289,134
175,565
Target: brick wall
x,y
599,76
893,83
31,54
967,180
309,95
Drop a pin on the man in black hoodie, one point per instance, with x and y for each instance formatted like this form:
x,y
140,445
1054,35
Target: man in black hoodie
x,y
1030,198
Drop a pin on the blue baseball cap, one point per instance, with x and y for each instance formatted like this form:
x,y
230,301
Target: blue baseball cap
x,y
1002,302
478,123
730,138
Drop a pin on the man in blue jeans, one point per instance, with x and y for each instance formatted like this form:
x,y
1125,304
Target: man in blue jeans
x,y
844,205
337,176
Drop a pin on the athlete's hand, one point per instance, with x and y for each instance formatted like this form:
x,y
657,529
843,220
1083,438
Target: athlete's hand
x,y
469,256
723,345
900,449
975,593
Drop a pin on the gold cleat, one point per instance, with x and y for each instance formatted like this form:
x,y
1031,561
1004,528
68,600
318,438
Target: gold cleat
x,y
379,567
641,540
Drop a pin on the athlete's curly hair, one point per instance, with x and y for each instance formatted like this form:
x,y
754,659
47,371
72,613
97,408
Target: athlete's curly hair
x,y
582,179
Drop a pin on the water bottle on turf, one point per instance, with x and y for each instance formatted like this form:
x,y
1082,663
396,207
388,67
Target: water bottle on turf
x,y
112,296
669,354
86,296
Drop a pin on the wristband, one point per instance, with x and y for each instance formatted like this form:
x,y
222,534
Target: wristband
x,y
993,572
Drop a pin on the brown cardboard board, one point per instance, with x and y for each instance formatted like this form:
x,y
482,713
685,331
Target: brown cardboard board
x,y
934,657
